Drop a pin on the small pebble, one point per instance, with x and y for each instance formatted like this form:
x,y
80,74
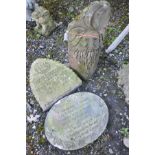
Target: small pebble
x,y
41,46
34,111
111,55
34,127
71,9
126,141
111,151
31,102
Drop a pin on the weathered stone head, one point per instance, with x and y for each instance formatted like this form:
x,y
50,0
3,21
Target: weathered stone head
x,y
85,36
44,21
96,16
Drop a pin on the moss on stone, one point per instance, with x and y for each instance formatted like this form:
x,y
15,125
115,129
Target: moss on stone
x,y
81,68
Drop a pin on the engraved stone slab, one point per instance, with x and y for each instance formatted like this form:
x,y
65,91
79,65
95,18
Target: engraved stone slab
x,y
76,120
50,81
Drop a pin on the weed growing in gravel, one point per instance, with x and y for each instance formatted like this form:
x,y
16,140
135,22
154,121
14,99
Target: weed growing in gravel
x,y
125,132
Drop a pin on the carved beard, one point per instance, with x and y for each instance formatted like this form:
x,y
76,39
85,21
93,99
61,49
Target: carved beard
x,y
83,52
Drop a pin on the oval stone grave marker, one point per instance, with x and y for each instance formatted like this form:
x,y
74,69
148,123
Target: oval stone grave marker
x,y
51,80
76,120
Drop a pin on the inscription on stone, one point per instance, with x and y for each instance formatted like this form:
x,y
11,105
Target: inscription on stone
x,y
50,81
76,120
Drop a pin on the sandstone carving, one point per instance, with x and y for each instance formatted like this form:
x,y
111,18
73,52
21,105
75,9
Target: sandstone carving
x,y
85,38
44,21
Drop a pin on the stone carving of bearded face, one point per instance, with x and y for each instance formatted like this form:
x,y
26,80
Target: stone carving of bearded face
x,y
85,36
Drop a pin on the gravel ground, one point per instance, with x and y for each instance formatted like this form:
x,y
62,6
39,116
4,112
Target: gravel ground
x,y
103,83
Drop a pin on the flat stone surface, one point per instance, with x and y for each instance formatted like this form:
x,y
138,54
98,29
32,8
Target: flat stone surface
x,y
76,120
50,81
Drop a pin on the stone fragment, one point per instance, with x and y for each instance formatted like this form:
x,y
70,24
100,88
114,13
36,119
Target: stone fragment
x,y
32,118
85,38
50,81
44,21
111,151
126,141
123,80
76,120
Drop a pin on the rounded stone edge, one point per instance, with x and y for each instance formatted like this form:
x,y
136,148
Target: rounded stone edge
x,y
58,102
50,104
